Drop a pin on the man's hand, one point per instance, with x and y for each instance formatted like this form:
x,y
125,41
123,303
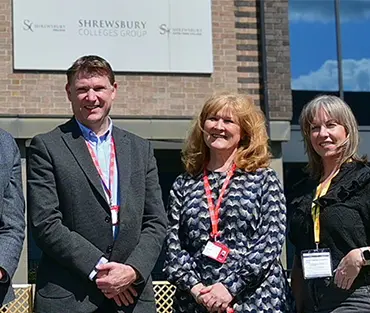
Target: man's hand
x,y
115,280
101,274
216,298
126,297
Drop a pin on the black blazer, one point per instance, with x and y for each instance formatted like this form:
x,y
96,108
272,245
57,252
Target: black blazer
x,y
70,218
344,213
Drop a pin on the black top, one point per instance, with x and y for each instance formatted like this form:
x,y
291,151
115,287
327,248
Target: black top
x,y
344,213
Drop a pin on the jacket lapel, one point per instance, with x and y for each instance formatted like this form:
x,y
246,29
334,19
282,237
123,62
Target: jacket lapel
x,y
123,155
77,145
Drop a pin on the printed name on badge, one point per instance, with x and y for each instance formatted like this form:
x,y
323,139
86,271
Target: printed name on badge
x,y
316,264
216,251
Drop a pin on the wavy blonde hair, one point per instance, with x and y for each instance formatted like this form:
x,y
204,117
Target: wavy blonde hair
x,y
253,151
338,110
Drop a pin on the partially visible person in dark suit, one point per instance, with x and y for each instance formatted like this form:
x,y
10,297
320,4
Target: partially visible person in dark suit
x,y
12,221
330,223
95,205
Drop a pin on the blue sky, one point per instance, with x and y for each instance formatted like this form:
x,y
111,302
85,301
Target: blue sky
x,y
313,44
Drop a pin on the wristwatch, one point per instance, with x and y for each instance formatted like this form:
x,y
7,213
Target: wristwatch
x,y
366,257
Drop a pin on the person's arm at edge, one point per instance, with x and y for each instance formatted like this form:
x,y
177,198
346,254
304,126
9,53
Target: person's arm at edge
x,y
13,219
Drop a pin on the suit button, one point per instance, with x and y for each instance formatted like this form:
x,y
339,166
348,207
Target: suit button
x,y
109,249
107,219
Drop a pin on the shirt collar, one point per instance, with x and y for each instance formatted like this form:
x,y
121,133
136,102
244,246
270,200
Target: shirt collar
x,y
89,135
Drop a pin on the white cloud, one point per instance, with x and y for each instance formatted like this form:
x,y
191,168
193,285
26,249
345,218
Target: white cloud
x,y
325,78
323,10
356,77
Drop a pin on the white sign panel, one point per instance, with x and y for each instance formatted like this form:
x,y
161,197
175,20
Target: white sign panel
x,y
133,35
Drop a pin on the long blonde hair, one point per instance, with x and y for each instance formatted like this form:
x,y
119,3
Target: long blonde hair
x,y
253,151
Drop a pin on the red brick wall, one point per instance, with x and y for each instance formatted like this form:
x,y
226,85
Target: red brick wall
x,y
278,59
248,56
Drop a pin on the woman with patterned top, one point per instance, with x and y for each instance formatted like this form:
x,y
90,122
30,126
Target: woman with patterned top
x,y
227,215
330,224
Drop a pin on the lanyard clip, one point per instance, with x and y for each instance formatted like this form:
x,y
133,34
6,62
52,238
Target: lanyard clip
x,y
215,235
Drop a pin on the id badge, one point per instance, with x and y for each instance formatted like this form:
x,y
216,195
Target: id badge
x,y
316,263
216,251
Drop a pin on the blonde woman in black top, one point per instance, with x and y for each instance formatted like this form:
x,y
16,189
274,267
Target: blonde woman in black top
x,y
330,225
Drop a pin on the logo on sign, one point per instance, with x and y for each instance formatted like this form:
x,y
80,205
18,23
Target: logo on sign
x,y
163,29
28,25
180,31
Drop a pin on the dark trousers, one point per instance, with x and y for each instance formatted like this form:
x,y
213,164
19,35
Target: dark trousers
x,y
359,301
327,298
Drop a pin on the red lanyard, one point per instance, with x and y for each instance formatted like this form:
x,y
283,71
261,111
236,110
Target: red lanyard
x,y
214,210
107,185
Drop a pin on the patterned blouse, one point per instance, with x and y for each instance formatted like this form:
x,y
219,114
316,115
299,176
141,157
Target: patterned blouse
x,y
252,225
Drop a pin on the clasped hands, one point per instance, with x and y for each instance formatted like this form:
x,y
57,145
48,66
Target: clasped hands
x,y
215,298
115,281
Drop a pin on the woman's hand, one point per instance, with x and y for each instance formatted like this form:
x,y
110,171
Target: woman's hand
x,y
216,298
348,269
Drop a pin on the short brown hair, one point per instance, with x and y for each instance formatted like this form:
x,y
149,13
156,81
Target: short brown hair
x,y
91,65
253,151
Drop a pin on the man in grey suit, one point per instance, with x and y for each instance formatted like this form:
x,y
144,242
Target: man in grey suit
x,y
95,205
12,221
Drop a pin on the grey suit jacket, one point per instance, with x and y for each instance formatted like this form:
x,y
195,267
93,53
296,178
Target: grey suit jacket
x,y
12,221
70,218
